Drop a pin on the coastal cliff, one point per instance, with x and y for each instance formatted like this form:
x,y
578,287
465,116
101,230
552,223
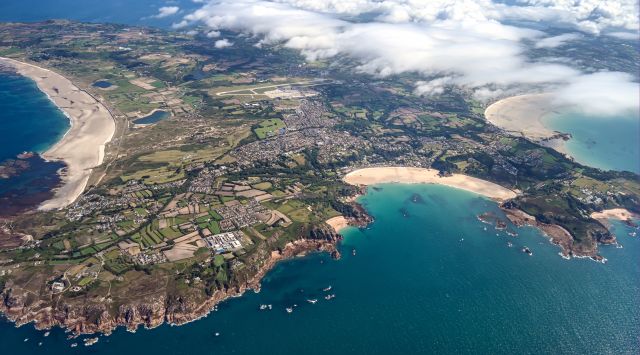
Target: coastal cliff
x,y
560,236
90,316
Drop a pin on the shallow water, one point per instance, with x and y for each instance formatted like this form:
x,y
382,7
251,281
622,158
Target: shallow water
x,y
414,287
610,143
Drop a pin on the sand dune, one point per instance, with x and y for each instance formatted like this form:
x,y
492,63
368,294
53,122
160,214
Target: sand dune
x,y
82,147
379,175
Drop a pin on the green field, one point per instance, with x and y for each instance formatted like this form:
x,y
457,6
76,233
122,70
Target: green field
x,y
268,128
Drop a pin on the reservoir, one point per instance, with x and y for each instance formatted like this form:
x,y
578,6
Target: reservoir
x,y
102,84
154,117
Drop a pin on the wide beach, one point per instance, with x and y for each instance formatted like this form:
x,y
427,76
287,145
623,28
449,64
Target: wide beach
x,y
523,115
82,147
614,213
408,175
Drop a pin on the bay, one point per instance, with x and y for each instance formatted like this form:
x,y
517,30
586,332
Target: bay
x,y
609,143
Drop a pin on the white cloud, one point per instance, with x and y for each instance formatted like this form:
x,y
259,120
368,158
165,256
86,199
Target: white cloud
x,y
462,43
223,43
601,94
213,34
167,11
557,41
625,35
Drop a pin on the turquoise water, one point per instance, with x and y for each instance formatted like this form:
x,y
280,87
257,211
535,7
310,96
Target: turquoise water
x,y
154,117
413,287
29,121
610,143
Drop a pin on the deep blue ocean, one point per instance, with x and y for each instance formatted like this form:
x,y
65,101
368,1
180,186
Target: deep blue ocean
x,y
426,278
131,12
29,121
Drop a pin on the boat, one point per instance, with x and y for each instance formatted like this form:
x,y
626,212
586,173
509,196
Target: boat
x,y
269,306
632,234
313,301
74,345
327,289
289,309
46,334
328,297
509,244
217,334
527,251
90,341
353,252
263,307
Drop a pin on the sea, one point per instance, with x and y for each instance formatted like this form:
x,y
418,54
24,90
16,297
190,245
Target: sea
x,y
29,122
605,142
426,277
138,12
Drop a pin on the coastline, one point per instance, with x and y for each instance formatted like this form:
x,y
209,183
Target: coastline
x,y
409,175
523,115
82,146
155,311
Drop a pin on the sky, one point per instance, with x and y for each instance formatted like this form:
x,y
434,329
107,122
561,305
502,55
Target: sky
x,y
479,45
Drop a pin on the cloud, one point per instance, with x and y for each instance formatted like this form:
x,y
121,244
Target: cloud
x,y
625,35
471,44
167,11
213,34
223,43
557,41
601,94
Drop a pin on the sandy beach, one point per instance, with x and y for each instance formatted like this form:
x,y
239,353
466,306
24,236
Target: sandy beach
x,y
337,223
522,116
372,176
614,213
82,147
